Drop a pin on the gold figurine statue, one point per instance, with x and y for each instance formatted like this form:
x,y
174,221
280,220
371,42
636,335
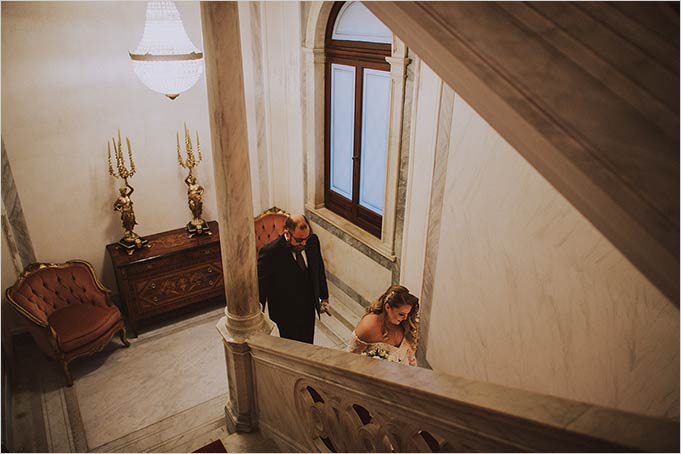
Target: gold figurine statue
x,y
123,203
196,226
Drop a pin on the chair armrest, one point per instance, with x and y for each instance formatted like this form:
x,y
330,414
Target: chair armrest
x,y
33,318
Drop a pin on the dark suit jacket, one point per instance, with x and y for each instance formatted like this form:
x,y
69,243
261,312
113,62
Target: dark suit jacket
x,y
276,282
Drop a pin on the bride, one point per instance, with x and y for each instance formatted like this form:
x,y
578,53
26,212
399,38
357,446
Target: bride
x,y
389,329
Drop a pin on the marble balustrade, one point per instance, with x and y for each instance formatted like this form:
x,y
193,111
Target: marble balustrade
x,y
314,399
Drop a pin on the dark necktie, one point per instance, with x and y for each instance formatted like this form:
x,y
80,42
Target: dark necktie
x,y
300,260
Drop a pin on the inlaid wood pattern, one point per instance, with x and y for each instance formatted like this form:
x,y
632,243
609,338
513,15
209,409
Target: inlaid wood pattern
x,y
177,271
176,286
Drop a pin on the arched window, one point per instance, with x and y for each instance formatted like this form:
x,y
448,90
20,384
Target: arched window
x,y
357,115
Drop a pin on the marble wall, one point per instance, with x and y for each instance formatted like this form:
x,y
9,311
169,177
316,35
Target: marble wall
x,y
14,226
10,320
270,33
9,273
282,69
17,250
517,287
426,114
251,55
527,293
354,269
68,85
432,117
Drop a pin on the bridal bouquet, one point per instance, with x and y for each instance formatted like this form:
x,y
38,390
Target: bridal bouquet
x,y
376,353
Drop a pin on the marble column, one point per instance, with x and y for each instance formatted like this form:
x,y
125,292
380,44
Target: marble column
x,y
224,75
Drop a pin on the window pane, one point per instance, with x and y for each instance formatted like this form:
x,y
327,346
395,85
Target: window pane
x,y
375,111
356,23
342,130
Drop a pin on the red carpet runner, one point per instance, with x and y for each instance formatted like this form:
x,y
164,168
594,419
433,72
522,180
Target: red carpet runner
x,y
215,446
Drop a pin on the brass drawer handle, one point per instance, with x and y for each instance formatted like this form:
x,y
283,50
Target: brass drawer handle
x,y
210,282
155,299
210,269
153,285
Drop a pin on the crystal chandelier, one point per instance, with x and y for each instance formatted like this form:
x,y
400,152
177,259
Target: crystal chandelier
x,y
166,60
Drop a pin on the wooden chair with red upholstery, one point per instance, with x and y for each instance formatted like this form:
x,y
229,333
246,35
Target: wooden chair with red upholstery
x,y
68,311
268,226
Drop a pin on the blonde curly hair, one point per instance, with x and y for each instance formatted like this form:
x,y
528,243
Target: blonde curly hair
x,y
398,296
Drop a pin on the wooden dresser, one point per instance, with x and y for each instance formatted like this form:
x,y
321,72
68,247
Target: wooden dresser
x,y
177,271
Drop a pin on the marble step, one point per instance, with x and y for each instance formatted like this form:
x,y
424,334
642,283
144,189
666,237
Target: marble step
x,y
337,313
249,442
345,313
325,337
335,329
345,309
344,298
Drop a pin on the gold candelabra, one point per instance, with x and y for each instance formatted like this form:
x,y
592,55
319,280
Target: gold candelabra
x,y
123,203
196,226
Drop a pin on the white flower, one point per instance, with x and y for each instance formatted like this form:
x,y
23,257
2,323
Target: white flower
x,y
377,353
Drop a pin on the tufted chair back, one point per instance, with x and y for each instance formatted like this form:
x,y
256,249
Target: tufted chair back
x,y
268,226
45,289
68,310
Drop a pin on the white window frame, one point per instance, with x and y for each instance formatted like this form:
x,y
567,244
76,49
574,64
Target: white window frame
x,y
313,131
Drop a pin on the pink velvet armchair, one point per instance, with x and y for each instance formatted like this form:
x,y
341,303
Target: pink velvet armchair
x,y
68,311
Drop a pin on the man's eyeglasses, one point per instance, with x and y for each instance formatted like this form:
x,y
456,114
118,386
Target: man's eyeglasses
x,y
299,240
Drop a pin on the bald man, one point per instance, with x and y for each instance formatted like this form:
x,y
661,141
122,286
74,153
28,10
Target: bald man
x,y
292,278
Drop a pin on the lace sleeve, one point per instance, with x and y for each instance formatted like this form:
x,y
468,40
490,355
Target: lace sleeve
x,y
355,345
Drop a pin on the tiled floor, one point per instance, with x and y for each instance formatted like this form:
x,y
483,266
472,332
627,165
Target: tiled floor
x,y
165,393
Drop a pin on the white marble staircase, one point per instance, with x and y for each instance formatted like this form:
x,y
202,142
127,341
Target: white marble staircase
x,y
337,327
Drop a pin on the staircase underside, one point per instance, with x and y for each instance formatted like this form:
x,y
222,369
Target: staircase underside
x,y
586,92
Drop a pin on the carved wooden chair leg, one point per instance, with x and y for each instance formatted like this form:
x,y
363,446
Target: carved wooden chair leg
x,y
124,337
69,379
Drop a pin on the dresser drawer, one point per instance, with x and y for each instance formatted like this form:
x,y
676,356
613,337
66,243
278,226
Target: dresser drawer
x,y
177,288
157,265
177,271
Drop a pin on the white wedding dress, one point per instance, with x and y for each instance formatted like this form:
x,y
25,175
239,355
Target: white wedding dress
x,y
404,354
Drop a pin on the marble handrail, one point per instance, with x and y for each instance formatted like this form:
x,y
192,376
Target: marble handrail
x,y
315,399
